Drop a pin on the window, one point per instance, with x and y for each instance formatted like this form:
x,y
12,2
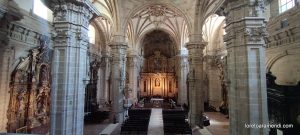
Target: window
x,y
284,23
91,34
40,9
285,5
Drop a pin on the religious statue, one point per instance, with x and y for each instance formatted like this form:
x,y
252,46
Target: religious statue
x,y
42,103
157,83
43,74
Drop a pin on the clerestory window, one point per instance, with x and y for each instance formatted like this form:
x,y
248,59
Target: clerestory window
x,y
40,9
285,5
91,34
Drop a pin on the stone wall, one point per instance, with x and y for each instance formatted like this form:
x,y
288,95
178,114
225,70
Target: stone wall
x,y
283,46
18,36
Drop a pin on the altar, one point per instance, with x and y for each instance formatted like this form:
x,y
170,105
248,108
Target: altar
x,y
157,102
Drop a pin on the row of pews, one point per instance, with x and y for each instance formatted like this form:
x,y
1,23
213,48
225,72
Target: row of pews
x,y
137,122
175,122
283,106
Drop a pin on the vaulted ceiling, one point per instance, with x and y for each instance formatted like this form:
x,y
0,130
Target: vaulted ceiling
x,y
156,17
178,18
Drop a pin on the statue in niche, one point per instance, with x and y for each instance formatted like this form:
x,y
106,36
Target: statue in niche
x,y
43,74
42,96
20,101
41,101
157,82
224,105
45,52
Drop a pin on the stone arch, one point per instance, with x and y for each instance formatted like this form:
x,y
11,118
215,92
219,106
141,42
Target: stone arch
x,y
142,37
272,60
286,75
100,38
141,45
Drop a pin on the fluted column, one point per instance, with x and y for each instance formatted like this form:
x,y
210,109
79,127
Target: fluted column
x,y
118,52
69,71
245,28
182,78
195,82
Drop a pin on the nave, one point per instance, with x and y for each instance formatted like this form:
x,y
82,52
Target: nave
x,y
72,67
219,124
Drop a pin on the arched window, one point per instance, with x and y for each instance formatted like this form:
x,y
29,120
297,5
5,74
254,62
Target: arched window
x,y
285,5
91,34
40,9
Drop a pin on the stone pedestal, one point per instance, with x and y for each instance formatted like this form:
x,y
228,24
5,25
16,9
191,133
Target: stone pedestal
x,y
246,66
69,67
118,51
195,83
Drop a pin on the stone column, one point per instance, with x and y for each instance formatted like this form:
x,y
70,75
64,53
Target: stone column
x,y
104,77
133,70
214,83
69,67
182,78
118,52
195,82
246,66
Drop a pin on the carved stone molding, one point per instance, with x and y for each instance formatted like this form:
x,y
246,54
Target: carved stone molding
x,y
133,61
284,29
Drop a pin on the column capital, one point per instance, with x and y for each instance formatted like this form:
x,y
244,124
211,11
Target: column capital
x,y
54,4
195,45
118,45
133,61
182,55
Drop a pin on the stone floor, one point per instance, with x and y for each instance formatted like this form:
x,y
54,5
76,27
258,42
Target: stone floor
x,y
156,126
95,128
219,125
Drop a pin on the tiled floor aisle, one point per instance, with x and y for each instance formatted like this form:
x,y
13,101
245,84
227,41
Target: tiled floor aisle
x,y
156,126
219,124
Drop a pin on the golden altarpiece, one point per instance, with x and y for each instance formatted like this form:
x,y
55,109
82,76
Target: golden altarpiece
x,y
158,76
29,104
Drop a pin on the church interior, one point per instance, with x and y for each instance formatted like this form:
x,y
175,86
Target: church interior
x,y
201,67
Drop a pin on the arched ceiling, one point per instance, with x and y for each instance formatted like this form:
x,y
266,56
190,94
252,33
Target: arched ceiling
x,y
135,18
212,24
158,40
155,17
106,7
213,32
106,27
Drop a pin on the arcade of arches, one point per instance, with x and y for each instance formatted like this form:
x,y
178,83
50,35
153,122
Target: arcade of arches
x,y
63,62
